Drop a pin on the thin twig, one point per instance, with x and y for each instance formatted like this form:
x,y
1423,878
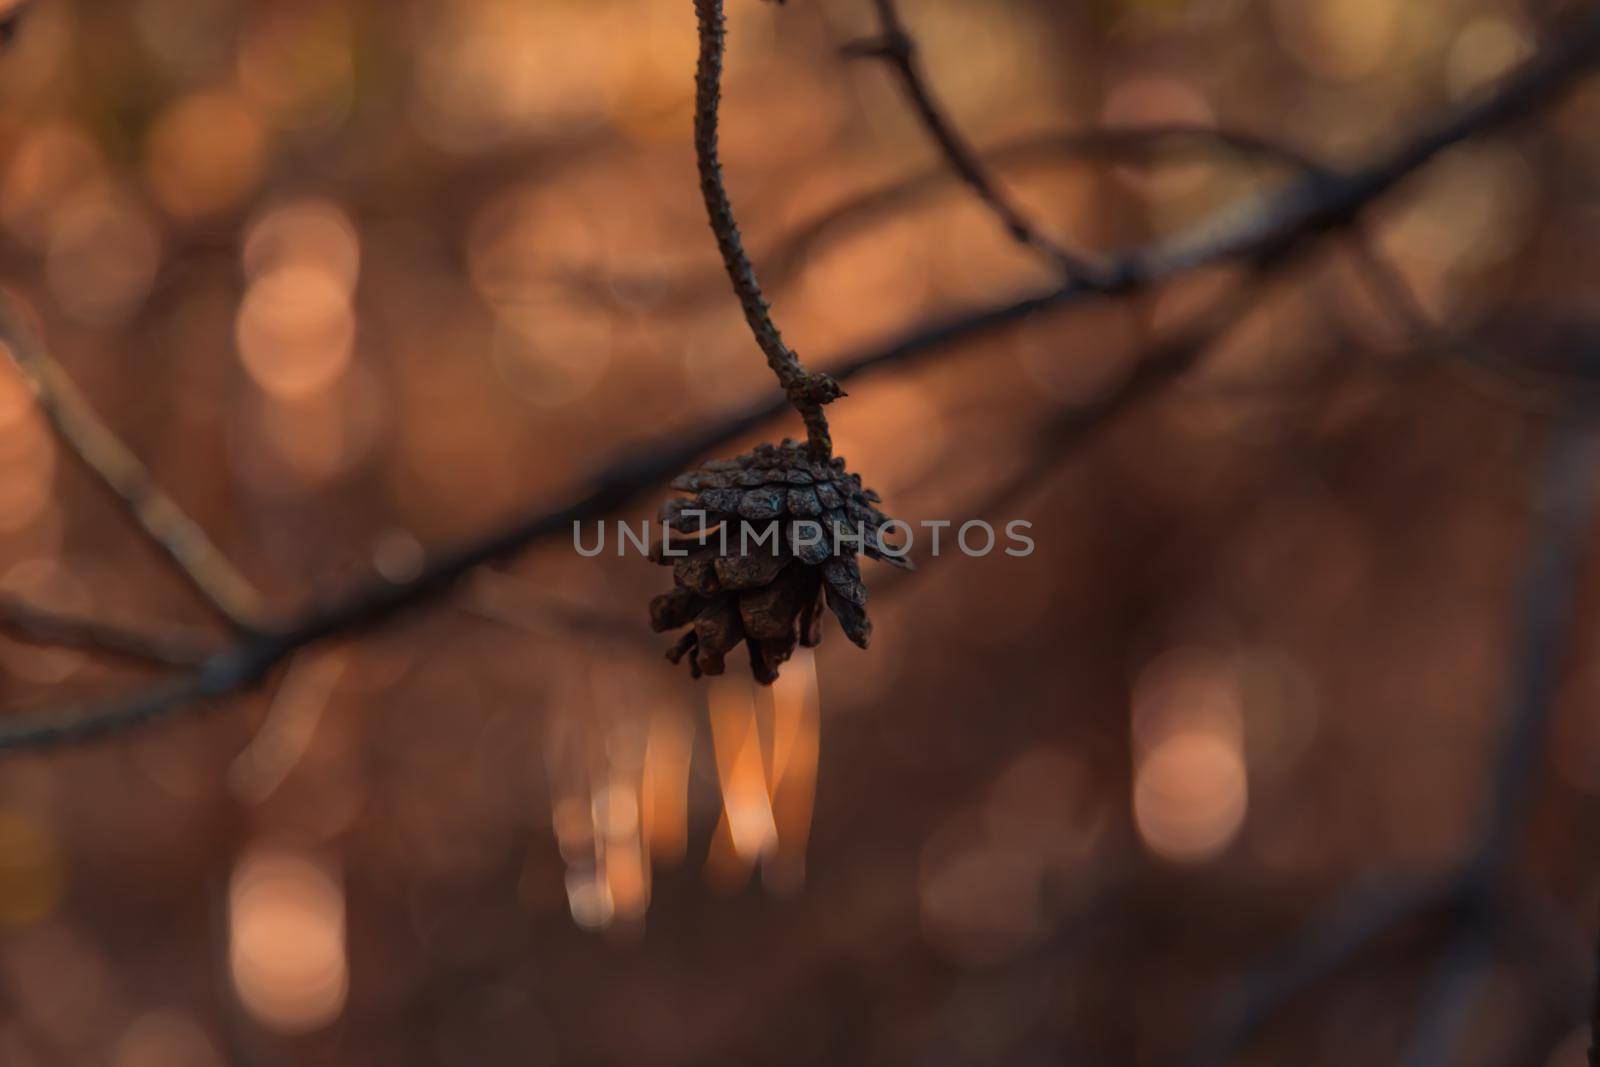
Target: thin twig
x,y
38,626
1476,897
898,48
807,392
1496,376
1329,941
1546,599
1278,225
511,601
1458,980
671,292
491,594
88,437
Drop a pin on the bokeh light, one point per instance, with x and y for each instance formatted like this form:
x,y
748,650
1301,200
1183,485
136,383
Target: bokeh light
x,y
1486,48
53,166
357,283
296,331
286,940
165,1039
312,233
103,255
796,727
1189,796
746,802
665,808
297,64
204,153
1190,789
1340,40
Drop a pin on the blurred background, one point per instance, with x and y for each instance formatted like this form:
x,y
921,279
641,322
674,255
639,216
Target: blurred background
x,y
358,279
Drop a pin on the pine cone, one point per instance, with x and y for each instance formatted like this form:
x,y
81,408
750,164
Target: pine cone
x,y
770,536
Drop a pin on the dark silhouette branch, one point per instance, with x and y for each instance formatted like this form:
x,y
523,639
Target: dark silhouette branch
x,y
806,391
1497,376
1334,937
491,595
1263,235
667,293
1546,599
898,48
34,625
1476,900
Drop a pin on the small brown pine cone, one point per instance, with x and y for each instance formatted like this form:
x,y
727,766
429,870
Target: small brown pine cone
x,y
760,544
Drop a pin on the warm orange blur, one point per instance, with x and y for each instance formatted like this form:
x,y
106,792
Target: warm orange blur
x,y
358,281
286,943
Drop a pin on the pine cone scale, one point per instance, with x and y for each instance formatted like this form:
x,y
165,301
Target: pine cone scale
x,y
749,572
764,503
741,583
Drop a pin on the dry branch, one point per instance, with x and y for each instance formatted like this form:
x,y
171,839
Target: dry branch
x,y
1265,233
806,391
898,48
39,626
88,438
1145,145
1476,900
1546,596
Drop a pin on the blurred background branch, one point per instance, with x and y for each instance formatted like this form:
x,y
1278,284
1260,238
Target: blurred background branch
x,y
1266,232
40,626
1556,556
390,297
186,545
895,46
687,290
1476,904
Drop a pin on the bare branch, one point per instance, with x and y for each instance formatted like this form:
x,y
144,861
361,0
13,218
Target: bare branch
x,y
221,674
1457,982
806,391
1334,937
1264,235
1546,597
898,48
1476,898
35,625
1138,145
87,436
1481,367
511,601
